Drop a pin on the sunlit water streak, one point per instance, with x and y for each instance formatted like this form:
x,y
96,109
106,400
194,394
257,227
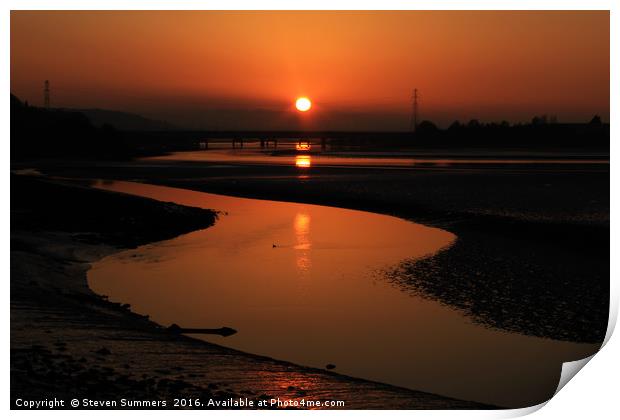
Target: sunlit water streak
x,y
254,156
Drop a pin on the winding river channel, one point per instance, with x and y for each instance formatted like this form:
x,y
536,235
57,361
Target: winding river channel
x,y
304,283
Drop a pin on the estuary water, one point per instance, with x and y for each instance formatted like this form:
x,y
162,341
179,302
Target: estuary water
x,y
306,284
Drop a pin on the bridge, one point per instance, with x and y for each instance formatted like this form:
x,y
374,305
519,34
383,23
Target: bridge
x,y
200,139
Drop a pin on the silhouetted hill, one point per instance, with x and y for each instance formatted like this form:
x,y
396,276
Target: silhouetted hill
x,y
124,121
38,132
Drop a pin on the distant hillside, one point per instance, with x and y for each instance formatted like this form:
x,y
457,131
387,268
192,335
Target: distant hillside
x,y
38,132
124,121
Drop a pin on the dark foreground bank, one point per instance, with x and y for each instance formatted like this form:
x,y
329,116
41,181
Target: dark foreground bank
x,y
68,343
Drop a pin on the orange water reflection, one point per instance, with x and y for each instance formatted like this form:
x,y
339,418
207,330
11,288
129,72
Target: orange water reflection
x,y
317,297
302,245
384,160
303,161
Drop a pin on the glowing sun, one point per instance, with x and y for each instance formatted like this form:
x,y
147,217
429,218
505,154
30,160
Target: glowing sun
x,y
303,104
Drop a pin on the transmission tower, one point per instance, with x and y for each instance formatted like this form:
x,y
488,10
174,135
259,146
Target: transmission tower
x,y
46,94
414,111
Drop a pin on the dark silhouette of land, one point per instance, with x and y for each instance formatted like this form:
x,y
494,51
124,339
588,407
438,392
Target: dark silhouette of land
x,y
223,331
51,133
123,121
57,133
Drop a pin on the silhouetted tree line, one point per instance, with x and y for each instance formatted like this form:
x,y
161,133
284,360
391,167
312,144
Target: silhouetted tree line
x,y
541,132
38,132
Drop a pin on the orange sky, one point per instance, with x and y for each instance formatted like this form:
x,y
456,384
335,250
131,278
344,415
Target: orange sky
x,y
244,69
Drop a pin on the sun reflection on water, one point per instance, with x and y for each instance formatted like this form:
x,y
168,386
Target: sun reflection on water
x,y
302,244
302,161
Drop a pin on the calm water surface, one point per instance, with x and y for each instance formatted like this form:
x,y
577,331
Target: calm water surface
x,y
255,156
304,283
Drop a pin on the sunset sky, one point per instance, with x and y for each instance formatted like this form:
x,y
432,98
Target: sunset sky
x,y
245,69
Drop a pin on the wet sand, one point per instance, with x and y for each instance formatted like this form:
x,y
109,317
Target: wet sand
x,y
67,342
